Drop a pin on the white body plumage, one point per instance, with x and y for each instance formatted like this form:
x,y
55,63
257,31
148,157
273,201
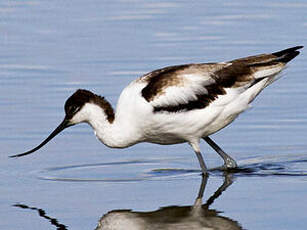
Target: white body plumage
x,y
135,121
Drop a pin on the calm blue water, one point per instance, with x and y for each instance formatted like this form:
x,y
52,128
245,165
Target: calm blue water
x,y
48,49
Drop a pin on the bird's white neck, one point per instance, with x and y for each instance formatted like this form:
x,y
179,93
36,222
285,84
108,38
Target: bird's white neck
x,y
113,131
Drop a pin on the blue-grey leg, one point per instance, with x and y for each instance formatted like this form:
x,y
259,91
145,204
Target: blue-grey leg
x,y
201,163
229,162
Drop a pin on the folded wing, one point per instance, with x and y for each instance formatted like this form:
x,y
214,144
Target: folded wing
x,y
195,86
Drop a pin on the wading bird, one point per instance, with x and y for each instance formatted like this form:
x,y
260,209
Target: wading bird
x,y
176,104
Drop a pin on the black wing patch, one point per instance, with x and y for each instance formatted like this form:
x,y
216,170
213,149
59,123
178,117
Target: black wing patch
x,y
159,79
230,76
202,100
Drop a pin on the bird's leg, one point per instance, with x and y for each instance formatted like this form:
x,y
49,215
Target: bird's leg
x,y
202,163
195,146
229,163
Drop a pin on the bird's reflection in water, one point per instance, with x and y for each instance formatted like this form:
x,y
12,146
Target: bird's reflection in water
x,y
197,216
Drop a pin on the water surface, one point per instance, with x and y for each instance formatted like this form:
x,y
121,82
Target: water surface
x,y
48,49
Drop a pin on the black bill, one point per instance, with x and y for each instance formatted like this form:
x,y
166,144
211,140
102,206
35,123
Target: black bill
x,y
61,127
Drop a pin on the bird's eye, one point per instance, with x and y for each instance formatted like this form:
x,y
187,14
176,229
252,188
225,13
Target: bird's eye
x,y
74,109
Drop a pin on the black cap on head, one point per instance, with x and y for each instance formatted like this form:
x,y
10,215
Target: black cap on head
x,y
76,101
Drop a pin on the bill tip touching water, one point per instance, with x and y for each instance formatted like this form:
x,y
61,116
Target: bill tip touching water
x,y
176,104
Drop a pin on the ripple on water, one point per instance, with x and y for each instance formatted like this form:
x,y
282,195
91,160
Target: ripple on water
x,y
140,170
122,171
277,165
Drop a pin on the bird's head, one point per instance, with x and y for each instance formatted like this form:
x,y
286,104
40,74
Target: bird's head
x,y
76,112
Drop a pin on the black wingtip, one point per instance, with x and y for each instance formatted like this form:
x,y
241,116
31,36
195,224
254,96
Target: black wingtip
x,y
287,54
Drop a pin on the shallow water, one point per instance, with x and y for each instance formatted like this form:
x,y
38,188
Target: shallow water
x,y
51,48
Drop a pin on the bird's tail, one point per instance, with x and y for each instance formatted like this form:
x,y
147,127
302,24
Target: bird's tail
x,y
283,56
270,65
266,69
